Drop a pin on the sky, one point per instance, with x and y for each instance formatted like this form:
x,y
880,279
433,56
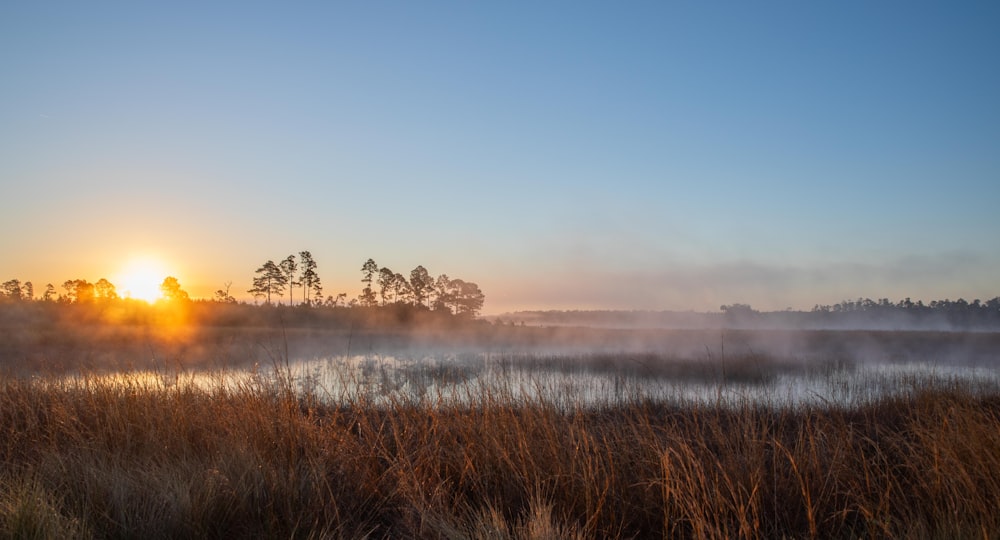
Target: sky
x,y
563,155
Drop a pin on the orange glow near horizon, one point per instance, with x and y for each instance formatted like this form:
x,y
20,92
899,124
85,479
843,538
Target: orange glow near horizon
x,y
140,279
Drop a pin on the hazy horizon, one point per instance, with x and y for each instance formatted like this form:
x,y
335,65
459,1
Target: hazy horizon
x,y
562,156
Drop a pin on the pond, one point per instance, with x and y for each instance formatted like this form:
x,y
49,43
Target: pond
x,y
584,380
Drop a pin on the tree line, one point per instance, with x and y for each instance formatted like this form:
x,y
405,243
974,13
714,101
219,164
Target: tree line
x,y
907,305
293,278
869,313
81,291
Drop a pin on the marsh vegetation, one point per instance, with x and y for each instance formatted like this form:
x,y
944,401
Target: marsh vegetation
x,y
133,455
225,420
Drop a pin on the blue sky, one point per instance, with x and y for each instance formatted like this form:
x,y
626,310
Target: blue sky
x,y
649,155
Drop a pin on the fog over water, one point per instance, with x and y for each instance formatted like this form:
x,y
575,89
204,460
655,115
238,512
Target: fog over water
x,y
583,357
574,366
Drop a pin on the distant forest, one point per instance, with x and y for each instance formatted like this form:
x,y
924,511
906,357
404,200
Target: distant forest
x,y
295,281
292,281
863,313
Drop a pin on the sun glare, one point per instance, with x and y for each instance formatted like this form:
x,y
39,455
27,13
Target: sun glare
x,y
141,279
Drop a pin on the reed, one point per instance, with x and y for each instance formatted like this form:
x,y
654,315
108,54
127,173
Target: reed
x,y
133,456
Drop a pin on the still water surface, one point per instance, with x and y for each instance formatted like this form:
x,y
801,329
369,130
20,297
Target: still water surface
x,y
575,381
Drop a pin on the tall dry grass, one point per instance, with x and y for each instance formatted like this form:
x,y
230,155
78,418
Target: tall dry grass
x,y
131,457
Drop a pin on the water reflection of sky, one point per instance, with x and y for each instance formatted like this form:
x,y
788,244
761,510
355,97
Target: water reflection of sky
x,y
479,378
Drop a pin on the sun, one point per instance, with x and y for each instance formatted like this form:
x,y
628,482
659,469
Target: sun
x,y
140,279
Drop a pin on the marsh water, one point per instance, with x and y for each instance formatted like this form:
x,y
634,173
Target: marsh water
x,y
607,380
570,381
583,368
